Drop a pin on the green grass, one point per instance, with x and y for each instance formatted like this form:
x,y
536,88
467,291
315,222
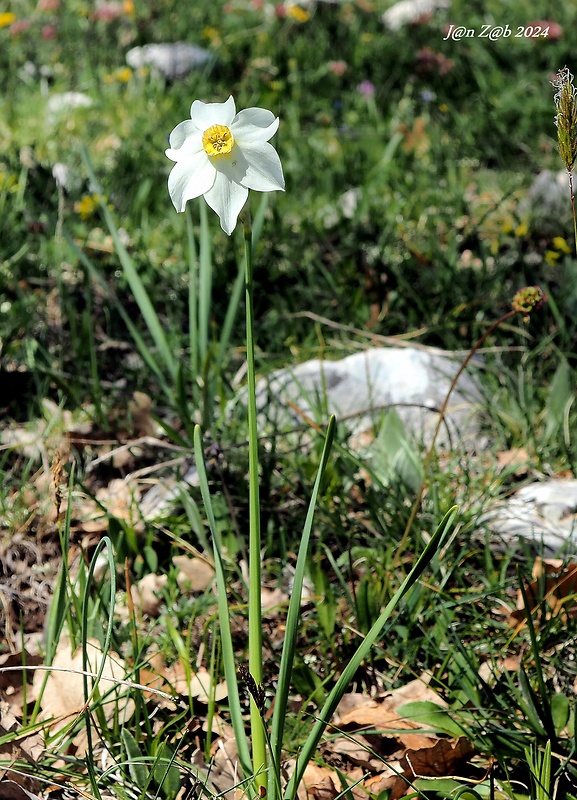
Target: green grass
x,y
104,296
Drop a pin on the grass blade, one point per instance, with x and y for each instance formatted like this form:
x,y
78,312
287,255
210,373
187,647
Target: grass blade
x,y
137,287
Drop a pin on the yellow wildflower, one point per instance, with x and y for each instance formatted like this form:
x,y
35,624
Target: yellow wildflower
x,y
7,18
297,13
121,75
7,181
560,244
213,36
521,230
88,205
551,257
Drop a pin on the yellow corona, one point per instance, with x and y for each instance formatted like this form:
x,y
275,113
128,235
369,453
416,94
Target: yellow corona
x,y
217,140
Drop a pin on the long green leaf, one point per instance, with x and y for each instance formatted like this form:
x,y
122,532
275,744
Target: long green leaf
x,y
255,658
546,719
103,543
231,312
362,651
293,615
223,614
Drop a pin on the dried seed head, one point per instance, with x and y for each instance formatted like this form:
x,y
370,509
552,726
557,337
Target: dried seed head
x,y
57,473
255,690
566,119
529,299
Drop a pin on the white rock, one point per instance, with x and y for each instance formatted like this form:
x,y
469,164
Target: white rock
x,y
162,497
408,11
358,388
348,203
62,175
173,60
66,101
312,3
547,201
544,513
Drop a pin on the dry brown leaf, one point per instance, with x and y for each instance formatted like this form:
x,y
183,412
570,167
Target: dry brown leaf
x,y
40,437
394,748
10,790
219,727
29,747
558,582
272,598
146,593
140,408
389,780
441,758
349,702
200,683
444,758
415,741
93,519
416,691
195,574
356,707
374,714
319,783
516,460
13,679
357,750
120,498
490,671
63,697
224,770
201,688
355,778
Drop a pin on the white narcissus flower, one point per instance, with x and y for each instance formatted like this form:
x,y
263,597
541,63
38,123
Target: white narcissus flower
x,y
221,154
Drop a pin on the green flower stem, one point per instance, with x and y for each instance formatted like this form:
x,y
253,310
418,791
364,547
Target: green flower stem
x,y
193,269
259,754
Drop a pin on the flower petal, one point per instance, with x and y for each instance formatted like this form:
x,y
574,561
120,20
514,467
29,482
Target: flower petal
x,y
227,199
183,131
191,146
247,132
204,115
234,165
264,170
260,117
190,178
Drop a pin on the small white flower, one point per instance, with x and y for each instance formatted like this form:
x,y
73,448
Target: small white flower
x,y
221,154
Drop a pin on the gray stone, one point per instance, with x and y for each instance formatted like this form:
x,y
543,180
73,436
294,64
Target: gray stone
x,y
358,388
543,513
173,60
407,12
548,200
64,102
